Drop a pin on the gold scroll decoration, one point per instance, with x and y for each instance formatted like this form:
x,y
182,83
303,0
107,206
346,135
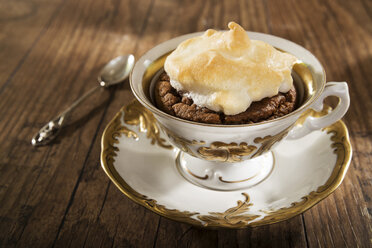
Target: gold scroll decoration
x,y
236,217
341,147
137,115
109,151
224,152
182,143
268,141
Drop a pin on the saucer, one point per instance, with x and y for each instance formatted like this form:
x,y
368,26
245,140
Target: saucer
x,y
142,164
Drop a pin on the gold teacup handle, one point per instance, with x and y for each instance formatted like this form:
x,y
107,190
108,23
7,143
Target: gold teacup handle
x,y
338,89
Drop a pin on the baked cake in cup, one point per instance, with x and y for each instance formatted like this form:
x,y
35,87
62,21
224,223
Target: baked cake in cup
x,y
226,78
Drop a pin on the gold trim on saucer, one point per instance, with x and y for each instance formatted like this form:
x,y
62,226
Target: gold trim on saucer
x,y
342,149
235,217
109,151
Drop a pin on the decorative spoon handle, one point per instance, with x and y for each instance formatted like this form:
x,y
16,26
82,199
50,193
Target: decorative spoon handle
x,y
50,130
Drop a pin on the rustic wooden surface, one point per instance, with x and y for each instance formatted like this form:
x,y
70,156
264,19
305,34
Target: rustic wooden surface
x,y
51,52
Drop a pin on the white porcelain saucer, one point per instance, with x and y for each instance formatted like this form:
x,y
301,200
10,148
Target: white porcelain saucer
x,y
142,164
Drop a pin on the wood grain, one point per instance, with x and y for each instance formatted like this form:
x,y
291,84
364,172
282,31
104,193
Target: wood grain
x,y
51,52
15,46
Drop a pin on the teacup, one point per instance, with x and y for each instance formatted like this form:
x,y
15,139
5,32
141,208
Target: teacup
x,y
229,157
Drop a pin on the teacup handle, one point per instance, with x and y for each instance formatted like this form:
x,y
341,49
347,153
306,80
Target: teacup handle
x,y
339,89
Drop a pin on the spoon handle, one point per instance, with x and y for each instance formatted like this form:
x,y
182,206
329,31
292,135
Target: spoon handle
x,y
50,130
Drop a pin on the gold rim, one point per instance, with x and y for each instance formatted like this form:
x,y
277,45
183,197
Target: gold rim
x,y
232,217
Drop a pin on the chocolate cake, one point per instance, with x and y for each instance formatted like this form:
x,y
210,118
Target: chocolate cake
x,y
174,103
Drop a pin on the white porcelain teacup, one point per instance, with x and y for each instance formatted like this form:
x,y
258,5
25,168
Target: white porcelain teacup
x,y
228,157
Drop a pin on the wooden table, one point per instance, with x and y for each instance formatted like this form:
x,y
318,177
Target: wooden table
x,y
51,52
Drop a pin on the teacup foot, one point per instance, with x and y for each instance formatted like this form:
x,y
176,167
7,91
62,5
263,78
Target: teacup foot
x,y
223,175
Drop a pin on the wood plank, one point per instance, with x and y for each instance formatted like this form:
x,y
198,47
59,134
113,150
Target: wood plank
x,y
37,189
286,234
333,223
59,195
22,23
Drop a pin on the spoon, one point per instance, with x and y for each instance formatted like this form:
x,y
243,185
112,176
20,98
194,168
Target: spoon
x,y
114,72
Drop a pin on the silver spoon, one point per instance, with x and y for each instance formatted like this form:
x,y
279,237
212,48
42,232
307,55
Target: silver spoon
x,y
114,72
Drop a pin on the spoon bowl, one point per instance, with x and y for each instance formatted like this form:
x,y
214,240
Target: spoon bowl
x,y
116,71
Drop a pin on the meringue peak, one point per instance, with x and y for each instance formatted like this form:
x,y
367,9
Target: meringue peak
x,y
226,71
